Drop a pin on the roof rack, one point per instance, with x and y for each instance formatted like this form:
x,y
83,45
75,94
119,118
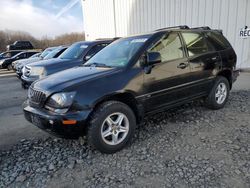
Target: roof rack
x,y
114,38
174,27
203,27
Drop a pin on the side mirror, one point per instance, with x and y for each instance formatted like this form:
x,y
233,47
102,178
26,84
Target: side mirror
x,y
153,58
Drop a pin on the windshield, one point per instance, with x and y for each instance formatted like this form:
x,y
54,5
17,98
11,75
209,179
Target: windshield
x,y
119,53
46,52
17,55
35,55
52,53
5,54
75,51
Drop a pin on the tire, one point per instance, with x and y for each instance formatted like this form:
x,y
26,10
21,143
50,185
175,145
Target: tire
x,y
9,67
104,133
213,101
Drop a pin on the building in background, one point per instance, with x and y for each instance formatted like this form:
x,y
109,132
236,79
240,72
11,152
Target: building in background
x,y
118,18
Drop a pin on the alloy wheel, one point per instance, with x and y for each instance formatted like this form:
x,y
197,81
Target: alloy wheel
x,y
115,128
221,93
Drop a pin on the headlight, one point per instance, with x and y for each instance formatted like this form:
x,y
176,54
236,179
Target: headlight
x,y
60,102
14,63
37,71
23,70
1,62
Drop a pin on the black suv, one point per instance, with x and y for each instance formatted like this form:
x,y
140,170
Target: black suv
x,y
20,45
131,78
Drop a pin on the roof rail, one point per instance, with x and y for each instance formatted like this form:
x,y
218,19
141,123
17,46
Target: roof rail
x,y
203,27
174,27
114,38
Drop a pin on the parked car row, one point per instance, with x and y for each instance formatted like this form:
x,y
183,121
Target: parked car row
x,y
75,55
49,53
106,87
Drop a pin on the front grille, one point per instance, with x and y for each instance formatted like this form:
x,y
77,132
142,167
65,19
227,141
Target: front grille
x,y
36,97
26,71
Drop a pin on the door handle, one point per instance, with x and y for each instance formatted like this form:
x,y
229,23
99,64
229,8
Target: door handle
x,y
182,65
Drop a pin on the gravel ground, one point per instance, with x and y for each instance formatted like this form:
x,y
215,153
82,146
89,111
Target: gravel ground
x,y
187,147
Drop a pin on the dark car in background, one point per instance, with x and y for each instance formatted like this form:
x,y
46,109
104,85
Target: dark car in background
x,y
7,63
77,54
49,53
131,78
9,54
20,45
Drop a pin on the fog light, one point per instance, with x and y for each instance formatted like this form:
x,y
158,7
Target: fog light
x,y
51,122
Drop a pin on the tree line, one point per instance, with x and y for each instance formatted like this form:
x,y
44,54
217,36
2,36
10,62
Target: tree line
x,y
8,37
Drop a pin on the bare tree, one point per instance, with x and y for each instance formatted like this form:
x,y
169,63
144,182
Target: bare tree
x,y
8,37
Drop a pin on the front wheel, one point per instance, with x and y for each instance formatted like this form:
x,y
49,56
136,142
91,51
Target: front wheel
x,y
111,127
218,96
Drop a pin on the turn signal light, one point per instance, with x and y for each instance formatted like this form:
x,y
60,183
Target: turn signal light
x,y
69,122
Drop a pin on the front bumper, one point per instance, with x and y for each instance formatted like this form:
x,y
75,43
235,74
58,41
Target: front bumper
x,y
26,82
53,123
19,74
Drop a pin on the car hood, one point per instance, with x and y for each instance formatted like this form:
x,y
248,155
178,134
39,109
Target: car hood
x,y
71,77
50,62
27,61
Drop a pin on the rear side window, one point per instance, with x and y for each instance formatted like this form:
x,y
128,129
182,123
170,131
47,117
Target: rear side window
x,y
22,55
218,40
169,47
196,43
30,54
95,49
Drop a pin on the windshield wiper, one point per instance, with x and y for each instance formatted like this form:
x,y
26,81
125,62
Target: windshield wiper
x,y
96,65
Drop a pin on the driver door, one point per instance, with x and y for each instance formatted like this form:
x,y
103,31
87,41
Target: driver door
x,y
166,84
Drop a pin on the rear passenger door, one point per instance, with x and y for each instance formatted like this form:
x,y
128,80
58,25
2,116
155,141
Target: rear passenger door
x,y
204,61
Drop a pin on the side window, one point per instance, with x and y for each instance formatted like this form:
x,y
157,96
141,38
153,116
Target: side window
x,y
30,54
94,50
196,43
17,43
169,47
218,40
23,55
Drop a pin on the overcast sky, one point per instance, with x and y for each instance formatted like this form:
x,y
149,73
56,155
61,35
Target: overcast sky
x,y
41,17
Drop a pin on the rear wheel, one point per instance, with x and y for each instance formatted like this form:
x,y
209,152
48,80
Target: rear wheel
x,y
218,96
111,127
